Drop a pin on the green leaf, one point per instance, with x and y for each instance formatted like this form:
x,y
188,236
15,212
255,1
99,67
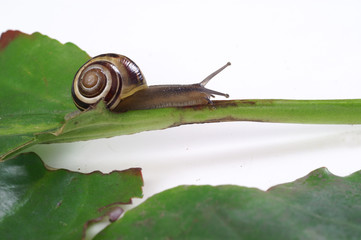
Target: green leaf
x,y
100,123
36,76
318,206
36,203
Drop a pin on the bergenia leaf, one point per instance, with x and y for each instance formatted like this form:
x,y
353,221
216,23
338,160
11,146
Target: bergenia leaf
x,y
318,206
35,73
36,104
37,203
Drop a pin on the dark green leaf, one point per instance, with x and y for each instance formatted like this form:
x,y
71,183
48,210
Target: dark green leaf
x,y
36,203
318,206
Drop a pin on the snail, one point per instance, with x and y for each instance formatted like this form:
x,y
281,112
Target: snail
x,y
119,82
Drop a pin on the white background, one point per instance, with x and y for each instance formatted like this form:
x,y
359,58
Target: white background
x,y
278,49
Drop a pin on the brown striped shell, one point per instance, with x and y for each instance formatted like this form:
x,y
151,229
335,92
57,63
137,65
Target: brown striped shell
x,y
110,77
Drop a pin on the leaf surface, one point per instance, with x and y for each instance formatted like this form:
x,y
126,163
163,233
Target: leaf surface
x,y
36,104
36,203
318,206
35,78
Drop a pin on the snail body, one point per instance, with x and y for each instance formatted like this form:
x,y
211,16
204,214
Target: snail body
x,y
120,83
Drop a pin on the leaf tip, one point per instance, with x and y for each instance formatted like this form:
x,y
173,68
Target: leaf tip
x,y
320,173
8,36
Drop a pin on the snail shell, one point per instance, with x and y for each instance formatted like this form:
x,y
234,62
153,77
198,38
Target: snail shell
x,y
111,77
119,82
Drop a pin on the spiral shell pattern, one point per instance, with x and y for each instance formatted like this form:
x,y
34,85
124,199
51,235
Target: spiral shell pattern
x,y
108,77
